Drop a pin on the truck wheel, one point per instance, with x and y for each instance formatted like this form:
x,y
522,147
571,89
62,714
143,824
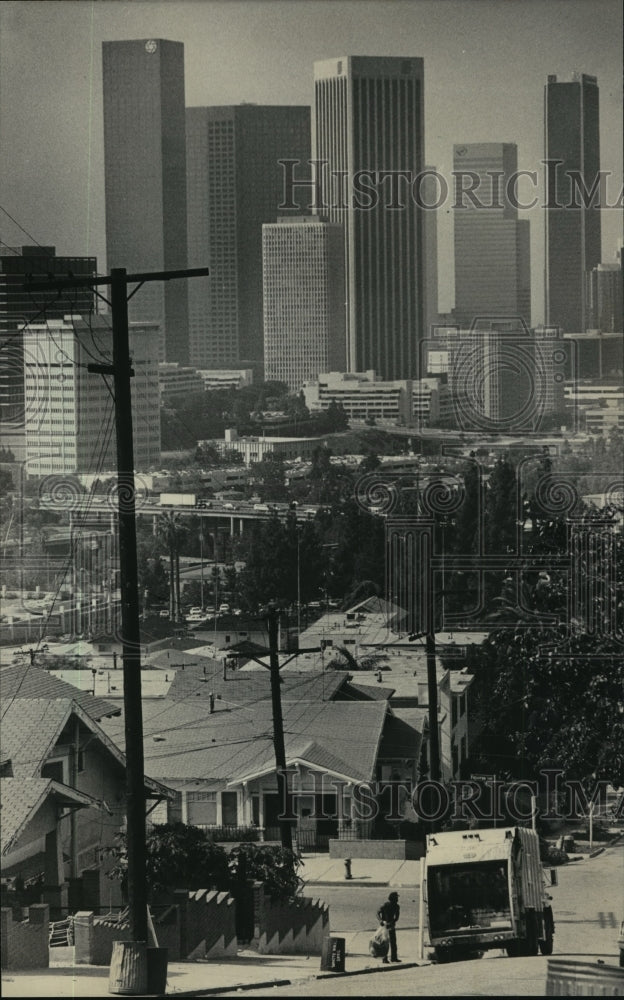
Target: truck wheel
x,y
442,955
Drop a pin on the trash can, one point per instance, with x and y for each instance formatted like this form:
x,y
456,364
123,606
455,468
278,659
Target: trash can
x,y
157,970
568,844
333,954
128,968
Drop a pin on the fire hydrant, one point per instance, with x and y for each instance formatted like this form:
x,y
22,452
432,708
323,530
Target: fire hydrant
x,y
348,868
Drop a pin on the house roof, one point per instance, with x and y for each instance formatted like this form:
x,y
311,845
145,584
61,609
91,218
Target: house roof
x,y
21,798
28,681
31,727
184,741
249,686
400,739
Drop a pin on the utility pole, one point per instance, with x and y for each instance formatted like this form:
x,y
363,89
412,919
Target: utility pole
x,y
121,371
278,732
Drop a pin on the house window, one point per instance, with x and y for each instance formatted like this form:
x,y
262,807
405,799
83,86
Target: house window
x,y
201,808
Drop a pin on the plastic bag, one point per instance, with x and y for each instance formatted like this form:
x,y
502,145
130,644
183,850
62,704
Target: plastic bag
x,y
380,942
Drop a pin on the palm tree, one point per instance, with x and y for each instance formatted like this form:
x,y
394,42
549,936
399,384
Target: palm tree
x,y
171,530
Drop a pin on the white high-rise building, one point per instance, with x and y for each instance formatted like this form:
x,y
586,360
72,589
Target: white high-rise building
x,y
69,412
304,289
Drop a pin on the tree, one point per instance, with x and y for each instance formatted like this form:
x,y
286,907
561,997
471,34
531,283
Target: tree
x,y
369,463
271,473
171,529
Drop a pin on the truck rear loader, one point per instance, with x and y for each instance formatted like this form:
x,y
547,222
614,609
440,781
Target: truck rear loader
x,y
486,889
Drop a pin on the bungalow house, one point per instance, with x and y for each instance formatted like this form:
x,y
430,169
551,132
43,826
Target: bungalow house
x,y
218,755
63,790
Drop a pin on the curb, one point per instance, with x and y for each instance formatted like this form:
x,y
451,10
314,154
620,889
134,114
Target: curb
x,y
267,984
350,882
233,988
373,970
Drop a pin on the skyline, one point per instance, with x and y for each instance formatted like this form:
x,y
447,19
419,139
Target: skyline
x,y
264,52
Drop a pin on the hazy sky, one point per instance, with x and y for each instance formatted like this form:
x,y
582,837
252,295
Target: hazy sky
x,y
486,63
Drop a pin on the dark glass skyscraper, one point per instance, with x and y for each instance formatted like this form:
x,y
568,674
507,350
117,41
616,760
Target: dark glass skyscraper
x,y
145,177
573,236
369,123
235,185
492,251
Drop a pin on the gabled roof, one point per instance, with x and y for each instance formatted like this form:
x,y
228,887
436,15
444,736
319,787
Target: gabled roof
x,y
28,681
250,686
400,739
184,741
21,798
31,727
377,606
352,691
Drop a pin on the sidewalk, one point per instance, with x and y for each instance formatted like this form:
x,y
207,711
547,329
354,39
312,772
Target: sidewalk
x,y
320,869
198,978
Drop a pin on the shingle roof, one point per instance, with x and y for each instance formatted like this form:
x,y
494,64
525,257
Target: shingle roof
x,y
247,686
20,798
31,727
400,739
184,741
28,681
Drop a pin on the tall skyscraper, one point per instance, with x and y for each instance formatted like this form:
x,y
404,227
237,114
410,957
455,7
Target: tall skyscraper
x,y
70,419
235,185
492,250
573,233
145,177
19,306
304,321
369,126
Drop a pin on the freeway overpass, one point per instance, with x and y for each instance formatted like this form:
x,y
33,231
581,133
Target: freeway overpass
x,y
94,509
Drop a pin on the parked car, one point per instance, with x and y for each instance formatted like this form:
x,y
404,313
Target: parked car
x,y
224,609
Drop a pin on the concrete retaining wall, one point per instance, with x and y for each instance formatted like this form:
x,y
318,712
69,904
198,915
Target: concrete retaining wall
x,y
199,924
25,942
295,928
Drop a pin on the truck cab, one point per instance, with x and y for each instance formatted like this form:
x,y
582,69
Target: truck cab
x,y
486,889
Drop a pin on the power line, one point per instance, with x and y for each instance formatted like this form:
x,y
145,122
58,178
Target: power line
x,y
19,226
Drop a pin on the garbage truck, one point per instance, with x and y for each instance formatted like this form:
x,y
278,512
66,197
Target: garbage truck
x,y
484,889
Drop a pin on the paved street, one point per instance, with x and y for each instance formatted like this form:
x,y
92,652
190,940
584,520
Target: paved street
x,y
588,905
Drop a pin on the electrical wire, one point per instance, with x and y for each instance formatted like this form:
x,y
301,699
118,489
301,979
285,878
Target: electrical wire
x,y
19,226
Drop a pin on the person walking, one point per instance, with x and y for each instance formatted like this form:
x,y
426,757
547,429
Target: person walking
x,y
388,915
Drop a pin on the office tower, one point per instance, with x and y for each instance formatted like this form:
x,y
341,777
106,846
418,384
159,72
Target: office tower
x,y
19,306
304,289
430,194
235,185
573,236
492,251
145,178
369,134
603,297
70,421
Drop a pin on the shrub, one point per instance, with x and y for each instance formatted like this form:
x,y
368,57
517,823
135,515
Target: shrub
x,y
274,866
